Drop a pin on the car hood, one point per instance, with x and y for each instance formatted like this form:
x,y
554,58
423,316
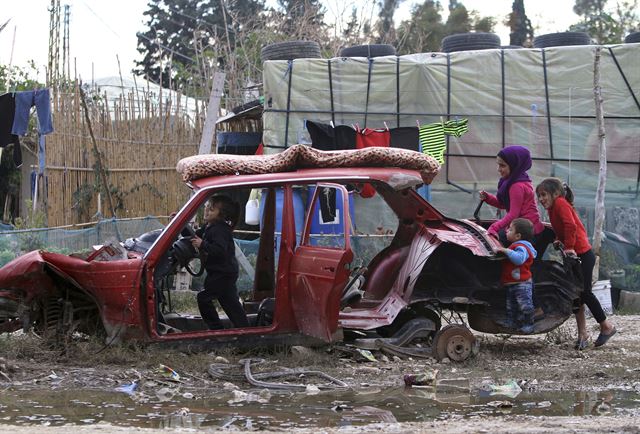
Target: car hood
x,y
33,273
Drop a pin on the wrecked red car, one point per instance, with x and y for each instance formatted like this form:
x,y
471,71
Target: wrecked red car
x,y
307,287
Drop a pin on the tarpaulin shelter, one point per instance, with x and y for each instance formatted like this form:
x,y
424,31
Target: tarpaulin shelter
x,y
539,98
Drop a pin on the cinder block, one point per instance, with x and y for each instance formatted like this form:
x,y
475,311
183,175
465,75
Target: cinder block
x,y
630,301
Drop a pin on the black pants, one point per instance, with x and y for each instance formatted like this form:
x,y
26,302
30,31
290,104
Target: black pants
x,y
224,290
588,260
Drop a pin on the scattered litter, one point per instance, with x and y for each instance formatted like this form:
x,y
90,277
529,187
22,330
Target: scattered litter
x,y
220,359
129,389
366,354
300,351
184,411
423,379
510,389
165,394
312,389
187,395
500,404
229,386
341,407
238,396
544,404
169,373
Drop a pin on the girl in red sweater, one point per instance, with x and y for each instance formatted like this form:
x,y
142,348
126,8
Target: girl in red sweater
x,y
557,198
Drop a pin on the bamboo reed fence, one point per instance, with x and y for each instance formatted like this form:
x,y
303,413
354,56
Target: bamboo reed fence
x,y
139,136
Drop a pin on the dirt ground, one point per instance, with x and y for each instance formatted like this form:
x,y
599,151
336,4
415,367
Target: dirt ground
x,y
541,363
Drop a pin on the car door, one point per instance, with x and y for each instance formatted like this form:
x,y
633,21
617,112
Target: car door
x,y
319,267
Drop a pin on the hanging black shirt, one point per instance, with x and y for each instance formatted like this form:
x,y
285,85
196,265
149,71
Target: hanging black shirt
x,y
7,114
404,137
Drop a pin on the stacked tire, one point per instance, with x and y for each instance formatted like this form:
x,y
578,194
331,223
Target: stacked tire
x,y
632,37
290,50
470,41
371,50
561,39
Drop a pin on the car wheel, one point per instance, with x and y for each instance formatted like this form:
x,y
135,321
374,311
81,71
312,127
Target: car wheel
x,y
371,50
470,41
291,50
632,37
454,341
561,39
406,315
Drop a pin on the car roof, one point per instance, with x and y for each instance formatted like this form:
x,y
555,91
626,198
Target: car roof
x,y
394,177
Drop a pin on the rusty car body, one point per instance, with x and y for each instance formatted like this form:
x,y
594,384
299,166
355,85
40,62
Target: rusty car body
x,y
302,290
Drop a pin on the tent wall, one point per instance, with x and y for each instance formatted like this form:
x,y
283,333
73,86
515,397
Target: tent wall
x,y
540,98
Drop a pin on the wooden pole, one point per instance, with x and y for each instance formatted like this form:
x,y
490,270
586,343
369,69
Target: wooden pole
x,y
209,129
602,160
103,175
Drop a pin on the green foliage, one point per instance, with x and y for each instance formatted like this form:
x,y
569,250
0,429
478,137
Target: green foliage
x,y
17,78
424,31
29,241
180,31
607,25
520,25
6,256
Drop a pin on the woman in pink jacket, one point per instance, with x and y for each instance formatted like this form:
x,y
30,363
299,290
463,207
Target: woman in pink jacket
x,y
515,192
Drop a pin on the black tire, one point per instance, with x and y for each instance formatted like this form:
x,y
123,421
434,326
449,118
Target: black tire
x,y
372,50
470,41
632,37
561,39
291,50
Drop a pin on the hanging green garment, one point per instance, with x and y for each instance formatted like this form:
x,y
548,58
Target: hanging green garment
x,y
432,136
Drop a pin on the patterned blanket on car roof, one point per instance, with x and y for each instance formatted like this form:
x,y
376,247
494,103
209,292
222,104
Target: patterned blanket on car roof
x,y
301,156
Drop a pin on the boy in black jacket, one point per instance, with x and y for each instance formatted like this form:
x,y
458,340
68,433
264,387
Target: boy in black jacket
x,y
221,214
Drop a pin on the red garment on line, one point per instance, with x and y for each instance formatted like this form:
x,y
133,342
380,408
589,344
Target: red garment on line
x,y
367,138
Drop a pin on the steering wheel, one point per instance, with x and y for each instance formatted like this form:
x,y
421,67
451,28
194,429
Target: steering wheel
x,y
183,252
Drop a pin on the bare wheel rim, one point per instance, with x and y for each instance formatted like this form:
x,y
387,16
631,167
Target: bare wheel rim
x,y
458,348
455,342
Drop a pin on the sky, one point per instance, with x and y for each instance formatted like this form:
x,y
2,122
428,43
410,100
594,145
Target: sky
x,y
100,30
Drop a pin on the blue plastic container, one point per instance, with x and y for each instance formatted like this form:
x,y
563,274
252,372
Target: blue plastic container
x,y
298,209
321,227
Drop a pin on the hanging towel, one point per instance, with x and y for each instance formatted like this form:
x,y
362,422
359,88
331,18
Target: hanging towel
x,y
24,101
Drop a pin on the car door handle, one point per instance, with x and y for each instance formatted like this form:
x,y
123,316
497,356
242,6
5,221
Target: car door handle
x,y
332,269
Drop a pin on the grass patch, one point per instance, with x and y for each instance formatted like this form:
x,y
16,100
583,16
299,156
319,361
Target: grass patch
x,y
185,302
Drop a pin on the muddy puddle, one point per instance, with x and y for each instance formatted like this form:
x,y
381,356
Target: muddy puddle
x,y
268,410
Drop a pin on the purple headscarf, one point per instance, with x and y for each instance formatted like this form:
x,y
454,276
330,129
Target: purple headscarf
x,y
519,160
